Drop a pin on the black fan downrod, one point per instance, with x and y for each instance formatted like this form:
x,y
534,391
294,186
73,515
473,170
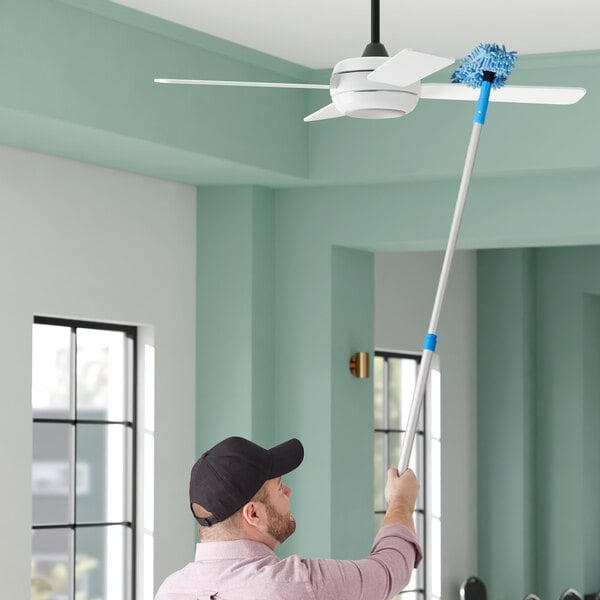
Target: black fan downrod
x,y
375,47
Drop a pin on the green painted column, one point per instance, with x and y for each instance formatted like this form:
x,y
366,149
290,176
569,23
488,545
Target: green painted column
x,y
302,405
564,275
591,441
352,279
539,411
235,314
324,297
506,426
263,314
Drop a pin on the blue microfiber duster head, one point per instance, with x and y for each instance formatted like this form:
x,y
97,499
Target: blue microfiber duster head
x,y
489,58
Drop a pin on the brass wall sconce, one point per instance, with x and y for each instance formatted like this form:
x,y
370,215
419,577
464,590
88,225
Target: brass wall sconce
x,y
359,365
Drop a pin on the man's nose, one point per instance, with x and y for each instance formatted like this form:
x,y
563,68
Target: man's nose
x,y
287,490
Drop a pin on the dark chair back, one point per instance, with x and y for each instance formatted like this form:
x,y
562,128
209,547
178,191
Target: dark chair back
x,y
473,589
570,594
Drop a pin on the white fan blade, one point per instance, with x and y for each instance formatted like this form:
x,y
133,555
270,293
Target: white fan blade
x,y
327,112
408,67
267,84
524,94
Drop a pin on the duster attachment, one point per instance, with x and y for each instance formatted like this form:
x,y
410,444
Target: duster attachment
x,y
486,57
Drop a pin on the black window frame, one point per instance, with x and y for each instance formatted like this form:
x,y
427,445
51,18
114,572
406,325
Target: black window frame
x,y
131,333
421,588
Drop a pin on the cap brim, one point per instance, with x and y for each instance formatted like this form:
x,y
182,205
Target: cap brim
x,y
286,457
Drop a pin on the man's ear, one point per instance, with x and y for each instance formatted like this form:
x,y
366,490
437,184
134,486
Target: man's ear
x,y
252,515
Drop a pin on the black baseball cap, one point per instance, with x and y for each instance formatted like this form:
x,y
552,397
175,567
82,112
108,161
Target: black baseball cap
x,y
228,475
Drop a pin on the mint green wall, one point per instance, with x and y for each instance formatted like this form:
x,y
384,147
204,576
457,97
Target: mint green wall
x,y
86,70
310,228
309,225
431,141
246,389
263,314
538,418
80,75
352,309
506,327
276,263
405,285
324,309
566,457
96,244
591,447
235,308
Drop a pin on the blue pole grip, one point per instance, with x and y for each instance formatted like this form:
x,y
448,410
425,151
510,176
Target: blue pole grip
x,y
482,103
430,342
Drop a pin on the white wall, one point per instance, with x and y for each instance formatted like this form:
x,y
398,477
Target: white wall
x,y
92,243
405,285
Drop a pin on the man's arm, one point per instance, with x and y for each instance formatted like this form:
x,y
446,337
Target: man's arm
x,y
401,493
395,553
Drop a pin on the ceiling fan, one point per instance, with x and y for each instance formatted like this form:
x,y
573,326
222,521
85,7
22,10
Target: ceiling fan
x,y
375,86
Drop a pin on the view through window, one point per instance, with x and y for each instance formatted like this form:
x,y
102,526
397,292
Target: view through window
x,y
395,376
83,484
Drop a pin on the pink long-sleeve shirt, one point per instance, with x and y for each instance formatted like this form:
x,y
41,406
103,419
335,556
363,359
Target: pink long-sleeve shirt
x,y
247,570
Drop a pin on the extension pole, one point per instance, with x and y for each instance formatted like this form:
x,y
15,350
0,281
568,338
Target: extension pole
x,y
430,342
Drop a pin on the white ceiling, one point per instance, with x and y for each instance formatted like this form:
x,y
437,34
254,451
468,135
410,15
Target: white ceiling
x,y
319,33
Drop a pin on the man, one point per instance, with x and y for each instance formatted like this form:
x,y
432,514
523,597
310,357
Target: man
x,y
243,508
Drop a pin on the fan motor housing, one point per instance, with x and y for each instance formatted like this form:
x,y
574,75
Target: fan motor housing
x,y
355,96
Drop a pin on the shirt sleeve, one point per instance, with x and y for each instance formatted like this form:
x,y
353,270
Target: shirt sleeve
x,y
386,571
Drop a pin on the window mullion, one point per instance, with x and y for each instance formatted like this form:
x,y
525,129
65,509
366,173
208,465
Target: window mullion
x,y
131,357
386,418
73,411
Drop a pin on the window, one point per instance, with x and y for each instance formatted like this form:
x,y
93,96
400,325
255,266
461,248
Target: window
x,y
84,452
395,376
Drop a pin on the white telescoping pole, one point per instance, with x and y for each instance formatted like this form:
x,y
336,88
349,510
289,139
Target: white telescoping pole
x,y
431,337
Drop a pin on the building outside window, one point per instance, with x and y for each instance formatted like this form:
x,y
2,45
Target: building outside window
x,y
395,376
84,452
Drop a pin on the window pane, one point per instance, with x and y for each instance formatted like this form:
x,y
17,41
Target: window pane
x,y
51,576
408,369
101,375
52,473
148,567
436,391
101,559
436,478
435,557
378,391
395,390
402,381
51,382
379,472
410,596
103,453
148,494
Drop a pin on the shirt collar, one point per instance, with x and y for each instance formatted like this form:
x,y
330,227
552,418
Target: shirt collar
x,y
232,549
